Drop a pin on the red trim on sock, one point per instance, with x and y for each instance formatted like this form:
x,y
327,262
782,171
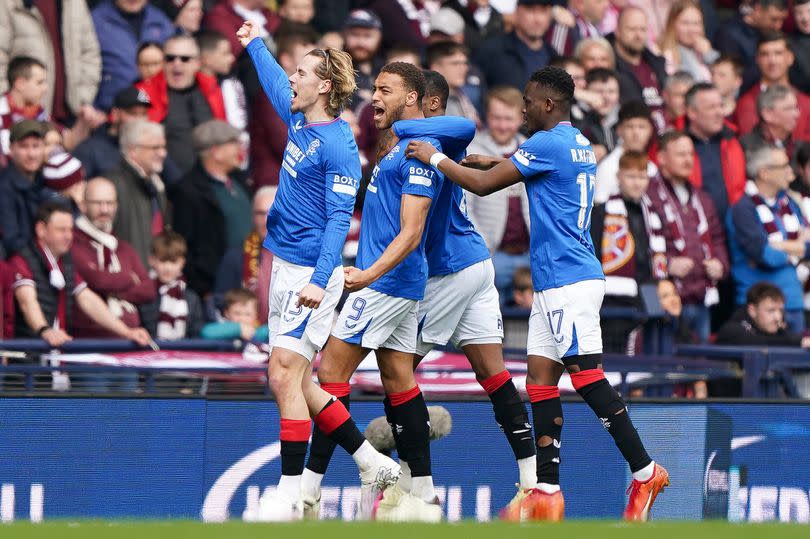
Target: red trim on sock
x,y
542,393
331,417
494,383
338,389
398,399
584,378
295,430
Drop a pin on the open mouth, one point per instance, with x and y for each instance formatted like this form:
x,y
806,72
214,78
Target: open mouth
x,y
293,95
379,112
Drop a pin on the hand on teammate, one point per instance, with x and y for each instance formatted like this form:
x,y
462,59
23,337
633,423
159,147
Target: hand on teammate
x,y
480,162
356,279
310,296
247,33
421,150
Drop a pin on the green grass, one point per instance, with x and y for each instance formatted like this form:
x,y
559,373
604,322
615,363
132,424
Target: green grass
x,y
67,529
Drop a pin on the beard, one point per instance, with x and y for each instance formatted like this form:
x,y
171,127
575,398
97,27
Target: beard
x,y
389,119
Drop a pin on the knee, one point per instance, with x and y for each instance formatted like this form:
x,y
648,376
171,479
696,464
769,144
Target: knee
x,y
284,372
330,371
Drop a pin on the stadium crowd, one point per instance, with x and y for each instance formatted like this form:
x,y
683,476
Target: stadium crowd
x,y
139,154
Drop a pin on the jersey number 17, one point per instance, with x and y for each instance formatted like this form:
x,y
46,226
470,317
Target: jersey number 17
x,y
586,183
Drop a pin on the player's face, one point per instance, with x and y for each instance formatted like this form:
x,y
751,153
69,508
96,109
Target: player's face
x,y
57,233
768,315
635,134
633,183
535,108
306,86
389,99
28,154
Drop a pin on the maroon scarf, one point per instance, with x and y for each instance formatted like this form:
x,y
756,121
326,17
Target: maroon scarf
x,y
173,310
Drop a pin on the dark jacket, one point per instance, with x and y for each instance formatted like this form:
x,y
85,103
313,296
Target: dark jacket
x,y
225,20
119,46
47,295
500,61
19,201
133,222
800,70
630,88
199,219
739,39
741,331
150,314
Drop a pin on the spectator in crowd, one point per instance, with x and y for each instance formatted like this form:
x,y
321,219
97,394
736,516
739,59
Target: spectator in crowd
x,y
52,140
778,111
137,181
264,123
250,265
587,16
510,59
446,24
403,23
403,54
584,99
684,44
211,207
47,285
595,52
150,60
362,33
21,189
601,131
228,15
696,245
673,330
63,174
6,300
727,74
241,319
801,185
719,164
27,87
800,44
502,218
674,95
450,60
297,11
61,36
768,233
121,25
774,59
186,15
522,288
176,313
739,36
481,21
628,239
634,130
642,74
110,266
761,321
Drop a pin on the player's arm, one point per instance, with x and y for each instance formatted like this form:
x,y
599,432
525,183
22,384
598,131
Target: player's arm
x,y
412,217
480,182
273,79
342,179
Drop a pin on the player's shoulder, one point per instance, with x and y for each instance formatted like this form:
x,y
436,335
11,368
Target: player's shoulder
x,y
403,142
337,137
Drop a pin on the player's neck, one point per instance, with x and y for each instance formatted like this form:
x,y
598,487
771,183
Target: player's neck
x,y
555,120
317,113
412,113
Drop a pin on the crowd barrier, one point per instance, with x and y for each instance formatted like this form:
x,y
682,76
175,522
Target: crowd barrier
x,y
213,459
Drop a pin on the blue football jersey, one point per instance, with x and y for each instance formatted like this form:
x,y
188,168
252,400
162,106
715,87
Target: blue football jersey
x,y
317,183
452,242
394,176
559,169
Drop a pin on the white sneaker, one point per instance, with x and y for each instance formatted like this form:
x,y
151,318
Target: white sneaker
x,y
375,481
312,506
274,507
390,499
409,509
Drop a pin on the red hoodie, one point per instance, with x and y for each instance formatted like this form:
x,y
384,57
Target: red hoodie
x,y
158,91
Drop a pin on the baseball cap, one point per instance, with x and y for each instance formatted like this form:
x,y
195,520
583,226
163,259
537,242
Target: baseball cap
x,y
447,21
131,97
26,128
363,18
213,133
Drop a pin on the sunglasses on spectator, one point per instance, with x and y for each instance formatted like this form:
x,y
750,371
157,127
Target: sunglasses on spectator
x,y
182,57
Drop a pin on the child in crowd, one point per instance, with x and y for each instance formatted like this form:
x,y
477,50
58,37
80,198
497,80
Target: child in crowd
x,y
177,311
522,288
241,319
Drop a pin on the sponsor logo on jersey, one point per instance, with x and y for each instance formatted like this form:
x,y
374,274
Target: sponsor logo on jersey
x,y
344,184
523,157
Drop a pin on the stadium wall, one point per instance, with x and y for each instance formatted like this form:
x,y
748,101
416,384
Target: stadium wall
x,y
212,459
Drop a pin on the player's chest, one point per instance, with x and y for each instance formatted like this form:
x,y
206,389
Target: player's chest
x,y
386,179
302,156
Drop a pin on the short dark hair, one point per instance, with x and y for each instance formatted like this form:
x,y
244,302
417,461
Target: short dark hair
x,y
443,49
696,88
803,150
563,61
20,68
555,79
148,44
292,36
669,137
208,40
436,85
410,74
50,207
761,291
800,2
403,48
734,60
522,278
169,245
778,4
771,37
634,109
238,295
601,74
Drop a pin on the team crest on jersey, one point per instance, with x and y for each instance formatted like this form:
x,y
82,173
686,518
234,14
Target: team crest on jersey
x,y
313,147
582,140
618,245
394,151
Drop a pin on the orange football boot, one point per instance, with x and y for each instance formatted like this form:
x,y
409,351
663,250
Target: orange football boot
x,y
642,495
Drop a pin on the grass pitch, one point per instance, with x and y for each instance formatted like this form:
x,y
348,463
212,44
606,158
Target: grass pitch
x,y
68,529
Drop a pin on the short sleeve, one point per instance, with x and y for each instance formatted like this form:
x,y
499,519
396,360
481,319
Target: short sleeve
x,y
420,179
22,273
535,156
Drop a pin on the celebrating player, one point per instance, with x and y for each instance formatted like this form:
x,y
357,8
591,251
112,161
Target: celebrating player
x,y
558,165
461,302
386,286
306,229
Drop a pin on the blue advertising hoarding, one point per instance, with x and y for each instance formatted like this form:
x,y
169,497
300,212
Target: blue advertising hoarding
x,y
192,458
